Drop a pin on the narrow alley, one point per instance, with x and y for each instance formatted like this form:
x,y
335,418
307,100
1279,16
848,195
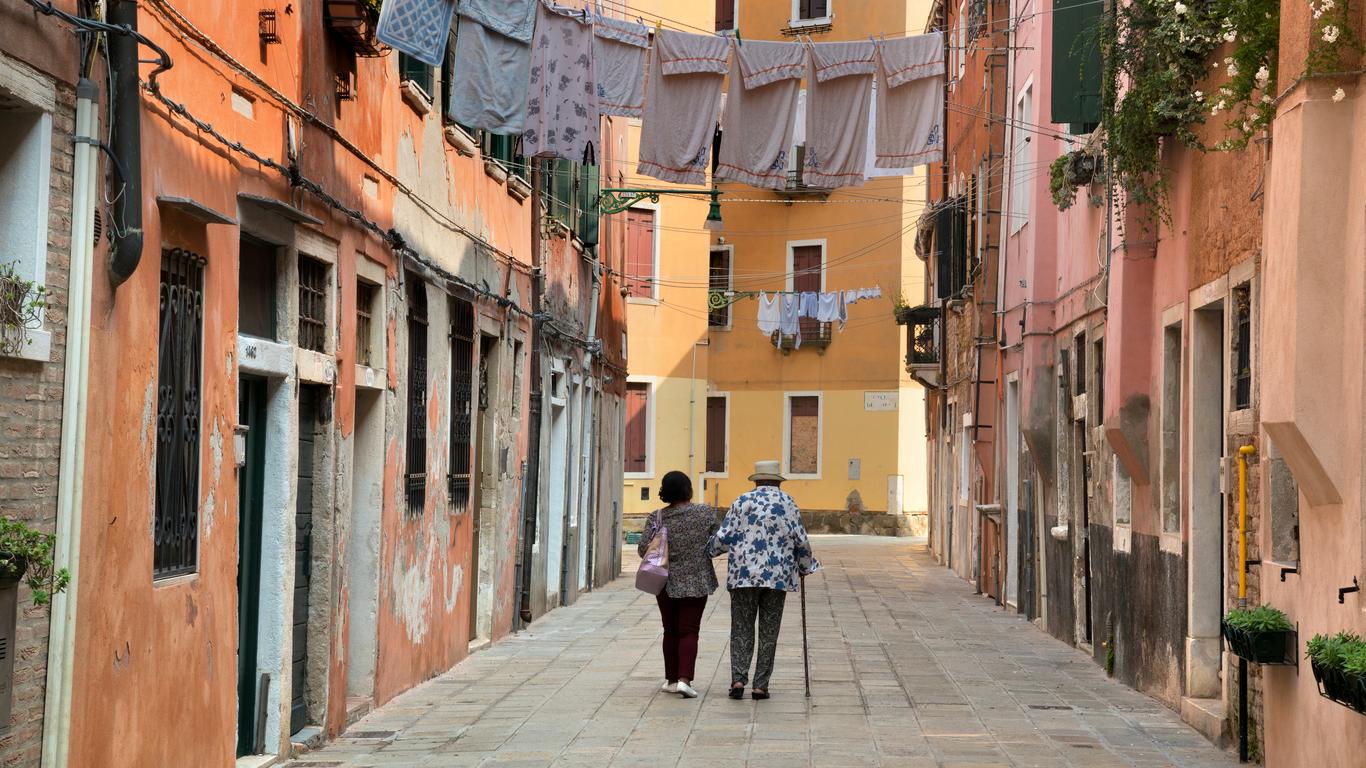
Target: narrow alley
x,y
909,668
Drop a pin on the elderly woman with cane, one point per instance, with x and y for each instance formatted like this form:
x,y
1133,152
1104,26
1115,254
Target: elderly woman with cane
x,y
770,554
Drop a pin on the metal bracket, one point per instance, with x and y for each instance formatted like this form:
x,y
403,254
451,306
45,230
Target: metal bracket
x,y
617,199
722,299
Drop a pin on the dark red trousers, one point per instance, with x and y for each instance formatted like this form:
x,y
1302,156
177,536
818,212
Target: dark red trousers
x,y
682,617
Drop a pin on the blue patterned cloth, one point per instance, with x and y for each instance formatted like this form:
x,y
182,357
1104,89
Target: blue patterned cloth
x,y
767,542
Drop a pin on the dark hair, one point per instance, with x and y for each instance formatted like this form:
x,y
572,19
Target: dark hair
x,y
675,487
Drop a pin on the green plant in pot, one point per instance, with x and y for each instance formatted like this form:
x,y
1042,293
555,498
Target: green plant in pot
x,y
1328,657
22,303
26,555
1261,635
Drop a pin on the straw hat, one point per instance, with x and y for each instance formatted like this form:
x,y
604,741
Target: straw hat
x,y
767,470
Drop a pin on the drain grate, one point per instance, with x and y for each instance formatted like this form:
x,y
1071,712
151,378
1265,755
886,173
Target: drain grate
x,y
370,734
1049,706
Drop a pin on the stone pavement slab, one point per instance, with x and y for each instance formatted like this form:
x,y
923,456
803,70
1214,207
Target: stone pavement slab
x,y
909,669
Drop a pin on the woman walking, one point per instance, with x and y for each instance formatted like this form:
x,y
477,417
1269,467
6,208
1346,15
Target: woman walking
x,y
691,578
770,554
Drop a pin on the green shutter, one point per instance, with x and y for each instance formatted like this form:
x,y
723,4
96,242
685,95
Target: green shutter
x,y
588,204
411,69
1076,63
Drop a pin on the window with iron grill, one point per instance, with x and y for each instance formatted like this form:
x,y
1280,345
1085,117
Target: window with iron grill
x,y
365,308
415,479
1242,348
719,281
312,304
462,401
180,361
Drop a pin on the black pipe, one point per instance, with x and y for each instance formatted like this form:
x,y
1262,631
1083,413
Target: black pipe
x,y
126,143
1242,710
531,484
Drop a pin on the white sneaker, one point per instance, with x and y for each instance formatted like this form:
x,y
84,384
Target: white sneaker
x,y
686,690
668,687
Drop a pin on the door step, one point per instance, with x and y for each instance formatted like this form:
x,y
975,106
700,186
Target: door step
x,y
1210,718
307,738
358,707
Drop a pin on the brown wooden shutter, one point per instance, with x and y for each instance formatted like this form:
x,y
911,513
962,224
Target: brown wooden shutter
x,y
725,15
640,253
806,269
716,434
637,412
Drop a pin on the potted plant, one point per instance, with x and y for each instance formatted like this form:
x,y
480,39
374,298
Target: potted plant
x,y
1328,658
1071,171
1262,635
356,22
26,555
21,307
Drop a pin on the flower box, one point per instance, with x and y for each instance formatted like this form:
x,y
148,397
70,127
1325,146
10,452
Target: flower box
x,y
1261,647
1338,686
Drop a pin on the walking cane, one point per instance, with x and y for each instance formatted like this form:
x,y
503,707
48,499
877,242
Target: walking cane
x,y
806,656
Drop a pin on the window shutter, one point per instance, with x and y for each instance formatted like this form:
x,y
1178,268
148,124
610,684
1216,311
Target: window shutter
x,y
640,257
716,434
588,204
637,411
1076,63
725,15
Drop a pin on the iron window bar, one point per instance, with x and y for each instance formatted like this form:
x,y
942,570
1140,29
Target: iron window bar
x,y
462,400
415,478
312,304
179,376
365,307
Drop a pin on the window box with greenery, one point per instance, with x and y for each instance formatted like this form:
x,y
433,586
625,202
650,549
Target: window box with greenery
x,y
1262,635
1339,665
355,21
22,303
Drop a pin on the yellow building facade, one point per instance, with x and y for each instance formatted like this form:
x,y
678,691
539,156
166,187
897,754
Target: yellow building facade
x,y
839,412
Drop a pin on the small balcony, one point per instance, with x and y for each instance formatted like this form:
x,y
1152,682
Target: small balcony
x,y
815,336
924,338
355,21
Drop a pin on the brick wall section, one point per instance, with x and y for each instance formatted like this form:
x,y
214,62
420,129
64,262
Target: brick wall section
x,y
30,445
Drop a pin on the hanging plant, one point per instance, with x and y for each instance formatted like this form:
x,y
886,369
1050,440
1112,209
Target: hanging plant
x,y
1156,55
21,309
26,553
1245,99
1334,39
1071,171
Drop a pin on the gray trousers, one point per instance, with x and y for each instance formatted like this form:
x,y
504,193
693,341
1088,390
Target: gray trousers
x,y
749,605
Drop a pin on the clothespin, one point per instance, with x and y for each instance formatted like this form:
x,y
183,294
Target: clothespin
x,y
659,24
738,41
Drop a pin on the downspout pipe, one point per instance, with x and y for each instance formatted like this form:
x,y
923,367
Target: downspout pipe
x,y
126,143
590,531
531,485
61,648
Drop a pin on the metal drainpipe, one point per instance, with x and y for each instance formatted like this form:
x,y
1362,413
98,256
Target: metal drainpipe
x,y
585,450
531,484
71,484
126,144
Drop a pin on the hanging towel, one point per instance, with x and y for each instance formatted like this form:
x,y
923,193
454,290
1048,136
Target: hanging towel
x,y
684,94
509,18
839,82
810,304
829,308
844,308
562,96
790,322
419,28
619,51
870,169
489,88
757,125
911,101
769,318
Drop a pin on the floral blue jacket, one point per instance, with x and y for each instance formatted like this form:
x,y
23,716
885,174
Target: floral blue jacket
x,y
767,542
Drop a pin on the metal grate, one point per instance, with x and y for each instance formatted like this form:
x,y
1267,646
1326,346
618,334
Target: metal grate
x,y
462,401
1242,348
365,308
312,304
416,476
179,370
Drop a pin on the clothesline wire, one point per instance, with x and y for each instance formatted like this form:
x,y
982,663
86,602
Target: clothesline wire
x,y
695,314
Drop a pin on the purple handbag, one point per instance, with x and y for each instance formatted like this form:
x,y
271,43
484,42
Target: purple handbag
x,y
653,574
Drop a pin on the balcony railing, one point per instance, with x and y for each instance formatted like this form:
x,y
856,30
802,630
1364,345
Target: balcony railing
x,y
924,339
819,340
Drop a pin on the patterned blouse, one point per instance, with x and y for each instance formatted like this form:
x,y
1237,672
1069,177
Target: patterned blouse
x,y
690,527
767,542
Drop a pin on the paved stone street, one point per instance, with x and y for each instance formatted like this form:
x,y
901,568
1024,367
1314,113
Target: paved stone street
x,y
908,667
